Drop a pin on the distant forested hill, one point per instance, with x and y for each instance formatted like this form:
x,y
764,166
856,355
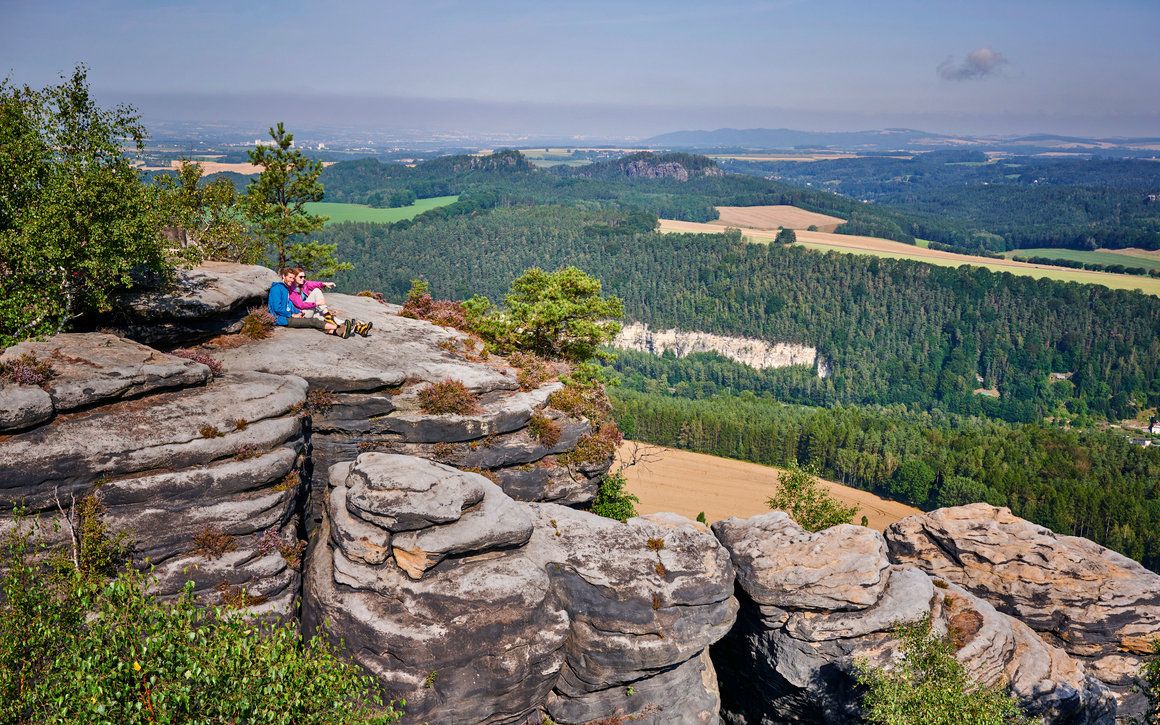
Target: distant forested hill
x,y
893,331
964,199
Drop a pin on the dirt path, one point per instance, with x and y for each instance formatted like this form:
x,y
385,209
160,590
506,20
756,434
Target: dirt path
x,y
667,479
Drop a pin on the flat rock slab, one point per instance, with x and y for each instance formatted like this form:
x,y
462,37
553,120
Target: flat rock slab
x,y
92,367
779,563
23,406
398,350
164,432
403,493
210,290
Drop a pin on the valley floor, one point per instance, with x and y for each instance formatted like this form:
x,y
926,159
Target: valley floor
x,y
668,479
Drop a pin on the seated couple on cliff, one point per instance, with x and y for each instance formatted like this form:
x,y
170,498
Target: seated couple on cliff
x,y
296,302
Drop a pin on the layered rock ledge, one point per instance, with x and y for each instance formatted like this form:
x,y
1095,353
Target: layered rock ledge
x,y
193,470
1099,606
813,605
479,608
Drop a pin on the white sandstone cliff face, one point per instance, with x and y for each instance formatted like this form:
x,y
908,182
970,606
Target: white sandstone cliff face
x,y
757,354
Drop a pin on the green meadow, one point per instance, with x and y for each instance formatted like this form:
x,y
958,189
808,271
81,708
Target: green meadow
x,y
363,213
1097,256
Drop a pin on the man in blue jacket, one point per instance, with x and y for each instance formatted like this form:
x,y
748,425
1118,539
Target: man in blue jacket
x,y
286,315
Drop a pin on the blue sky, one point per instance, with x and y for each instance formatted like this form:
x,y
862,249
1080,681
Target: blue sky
x,y
633,68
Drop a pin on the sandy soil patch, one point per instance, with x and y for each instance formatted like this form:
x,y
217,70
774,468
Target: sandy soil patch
x,y
772,217
687,483
1133,252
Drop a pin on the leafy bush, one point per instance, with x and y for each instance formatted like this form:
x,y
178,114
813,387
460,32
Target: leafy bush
x,y
205,220
1150,684
77,224
612,501
74,649
448,397
559,315
930,687
801,496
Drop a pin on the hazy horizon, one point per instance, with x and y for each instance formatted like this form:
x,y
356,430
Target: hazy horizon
x,y
609,70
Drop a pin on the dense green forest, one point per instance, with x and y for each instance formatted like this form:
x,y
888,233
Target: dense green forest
x,y
1085,483
964,199
892,331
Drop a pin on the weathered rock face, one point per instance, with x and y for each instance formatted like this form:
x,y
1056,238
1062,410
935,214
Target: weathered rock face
x,y
208,300
1100,607
815,603
477,608
193,471
757,354
364,398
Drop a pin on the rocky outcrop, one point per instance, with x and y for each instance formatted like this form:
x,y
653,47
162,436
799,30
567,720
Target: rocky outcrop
x,y
364,397
477,608
208,300
813,605
757,354
1100,607
198,474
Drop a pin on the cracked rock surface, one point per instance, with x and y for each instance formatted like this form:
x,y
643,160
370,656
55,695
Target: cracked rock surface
x,y
814,603
1099,606
516,607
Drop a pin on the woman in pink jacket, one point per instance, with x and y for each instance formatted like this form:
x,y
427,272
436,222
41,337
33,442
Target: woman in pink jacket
x,y
307,297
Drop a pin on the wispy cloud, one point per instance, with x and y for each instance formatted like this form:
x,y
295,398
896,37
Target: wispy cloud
x,y
977,65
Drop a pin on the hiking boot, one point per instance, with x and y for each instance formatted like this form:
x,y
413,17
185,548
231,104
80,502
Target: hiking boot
x,y
363,328
347,328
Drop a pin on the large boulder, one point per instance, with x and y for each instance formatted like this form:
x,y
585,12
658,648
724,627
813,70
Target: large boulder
x,y
478,608
646,598
1100,607
814,604
478,637
207,300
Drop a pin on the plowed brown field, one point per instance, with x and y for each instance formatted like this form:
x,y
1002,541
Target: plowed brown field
x,y
667,479
772,217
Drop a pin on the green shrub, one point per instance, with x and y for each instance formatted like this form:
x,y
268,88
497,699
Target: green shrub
x,y
805,500
612,501
556,315
545,430
930,687
81,649
1150,684
77,224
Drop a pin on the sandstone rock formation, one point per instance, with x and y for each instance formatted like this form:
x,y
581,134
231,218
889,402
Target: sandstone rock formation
x,y
207,300
1100,607
364,397
192,470
757,354
477,608
814,604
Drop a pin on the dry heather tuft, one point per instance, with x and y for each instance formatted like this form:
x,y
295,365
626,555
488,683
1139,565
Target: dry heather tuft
x,y
211,542
27,370
448,397
545,430
258,325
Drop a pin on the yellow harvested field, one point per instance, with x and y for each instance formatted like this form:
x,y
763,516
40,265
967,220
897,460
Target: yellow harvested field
x,y
667,479
827,242
217,167
772,217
